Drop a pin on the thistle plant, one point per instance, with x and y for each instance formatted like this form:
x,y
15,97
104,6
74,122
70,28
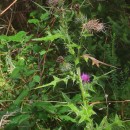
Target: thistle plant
x,y
84,111
52,79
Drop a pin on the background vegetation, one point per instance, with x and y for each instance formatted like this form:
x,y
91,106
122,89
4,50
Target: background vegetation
x,y
44,47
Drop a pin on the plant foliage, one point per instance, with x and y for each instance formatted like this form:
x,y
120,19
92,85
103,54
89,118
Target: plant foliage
x,y
64,64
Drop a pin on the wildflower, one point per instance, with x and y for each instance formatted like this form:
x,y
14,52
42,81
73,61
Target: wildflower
x,y
93,26
85,78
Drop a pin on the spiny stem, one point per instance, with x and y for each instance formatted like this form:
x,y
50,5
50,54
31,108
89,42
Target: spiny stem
x,y
83,92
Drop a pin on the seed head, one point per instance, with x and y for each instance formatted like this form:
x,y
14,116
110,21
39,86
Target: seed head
x,y
52,2
60,59
93,26
65,67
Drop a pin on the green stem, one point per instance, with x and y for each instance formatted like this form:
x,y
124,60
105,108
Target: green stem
x,y
83,92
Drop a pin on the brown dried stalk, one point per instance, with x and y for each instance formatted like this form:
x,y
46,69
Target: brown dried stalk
x,y
102,102
4,120
8,7
109,102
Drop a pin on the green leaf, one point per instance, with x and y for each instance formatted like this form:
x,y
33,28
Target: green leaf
x,y
3,37
19,119
73,108
67,99
18,37
118,121
77,98
71,47
67,118
36,78
33,21
82,119
54,82
42,52
22,95
62,109
44,16
99,7
46,106
49,37
86,59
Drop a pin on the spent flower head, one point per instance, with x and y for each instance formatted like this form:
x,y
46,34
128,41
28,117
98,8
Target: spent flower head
x,y
93,26
65,67
52,2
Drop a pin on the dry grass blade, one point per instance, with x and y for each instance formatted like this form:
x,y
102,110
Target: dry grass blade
x,y
8,7
4,120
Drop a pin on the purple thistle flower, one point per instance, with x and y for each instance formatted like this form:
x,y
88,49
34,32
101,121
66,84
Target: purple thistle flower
x,y
85,78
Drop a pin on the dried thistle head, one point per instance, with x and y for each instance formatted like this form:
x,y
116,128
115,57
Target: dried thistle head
x,y
93,26
52,2
64,66
60,59
76,7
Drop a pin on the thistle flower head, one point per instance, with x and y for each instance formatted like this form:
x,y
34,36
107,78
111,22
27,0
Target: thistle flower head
x,y
85,78
93,26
